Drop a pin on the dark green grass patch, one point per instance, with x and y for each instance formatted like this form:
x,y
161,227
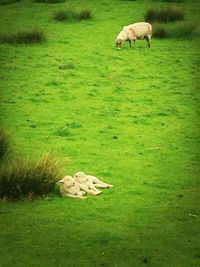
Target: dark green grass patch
x,y
168,14
28,178
171,1
160,31
72,15
66,131
24,37
49,1
4,143
180,30
67,67
8,2
63,131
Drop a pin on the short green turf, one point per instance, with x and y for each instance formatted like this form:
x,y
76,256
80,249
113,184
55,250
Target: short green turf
x,y
130,117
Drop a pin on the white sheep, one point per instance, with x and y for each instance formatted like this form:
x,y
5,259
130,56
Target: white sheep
x,y
86,184
98,183
70,188
132,32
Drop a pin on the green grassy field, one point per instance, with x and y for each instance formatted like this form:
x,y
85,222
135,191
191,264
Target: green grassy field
x,y
130,117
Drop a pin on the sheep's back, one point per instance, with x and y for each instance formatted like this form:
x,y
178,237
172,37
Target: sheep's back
x,y
141,29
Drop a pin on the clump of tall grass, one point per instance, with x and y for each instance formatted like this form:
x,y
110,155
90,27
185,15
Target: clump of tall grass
x,y
159,31
28,178
24,37
180,30
49,1
172,1
8,2
167,14
4,143
72,15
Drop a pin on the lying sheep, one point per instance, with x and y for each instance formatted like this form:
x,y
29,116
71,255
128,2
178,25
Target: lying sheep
x,y
132,32
81,184
86,184
70,188
96,182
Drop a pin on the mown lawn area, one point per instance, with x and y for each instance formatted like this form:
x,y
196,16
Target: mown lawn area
x,y
129,117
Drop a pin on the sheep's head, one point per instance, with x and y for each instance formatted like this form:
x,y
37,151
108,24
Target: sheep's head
x,y
119,43
67,181
80,177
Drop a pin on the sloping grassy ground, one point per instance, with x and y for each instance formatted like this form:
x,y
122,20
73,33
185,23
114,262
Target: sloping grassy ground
x,y
130,117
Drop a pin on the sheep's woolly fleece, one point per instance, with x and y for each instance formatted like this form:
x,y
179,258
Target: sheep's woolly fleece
x,y
80,185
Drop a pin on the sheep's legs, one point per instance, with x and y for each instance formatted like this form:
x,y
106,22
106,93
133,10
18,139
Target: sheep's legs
x,y
74,196
89,190
130,43
95,191
147,38
102,185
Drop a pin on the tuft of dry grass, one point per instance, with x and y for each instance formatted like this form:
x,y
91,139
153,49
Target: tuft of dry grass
x,y
28,178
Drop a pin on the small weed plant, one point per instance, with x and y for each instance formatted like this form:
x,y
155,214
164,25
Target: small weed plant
x,y
28,178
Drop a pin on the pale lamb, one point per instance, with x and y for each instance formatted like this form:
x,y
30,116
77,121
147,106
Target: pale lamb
x,y
132,32
86,184
92,181
70,188
97,182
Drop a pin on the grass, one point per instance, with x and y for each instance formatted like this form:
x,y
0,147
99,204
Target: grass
x,y
166,14
28,178
71,15
133,119
171,1
24,37
181,30
8,2
49,1
4,143
160,31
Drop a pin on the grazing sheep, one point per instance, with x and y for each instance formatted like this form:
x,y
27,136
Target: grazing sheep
x,y
70,188
132,32
85,184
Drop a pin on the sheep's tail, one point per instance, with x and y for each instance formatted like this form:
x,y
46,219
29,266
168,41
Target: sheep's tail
x,y
149,29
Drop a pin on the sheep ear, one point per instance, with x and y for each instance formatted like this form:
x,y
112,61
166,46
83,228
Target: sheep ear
x,y
61,181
